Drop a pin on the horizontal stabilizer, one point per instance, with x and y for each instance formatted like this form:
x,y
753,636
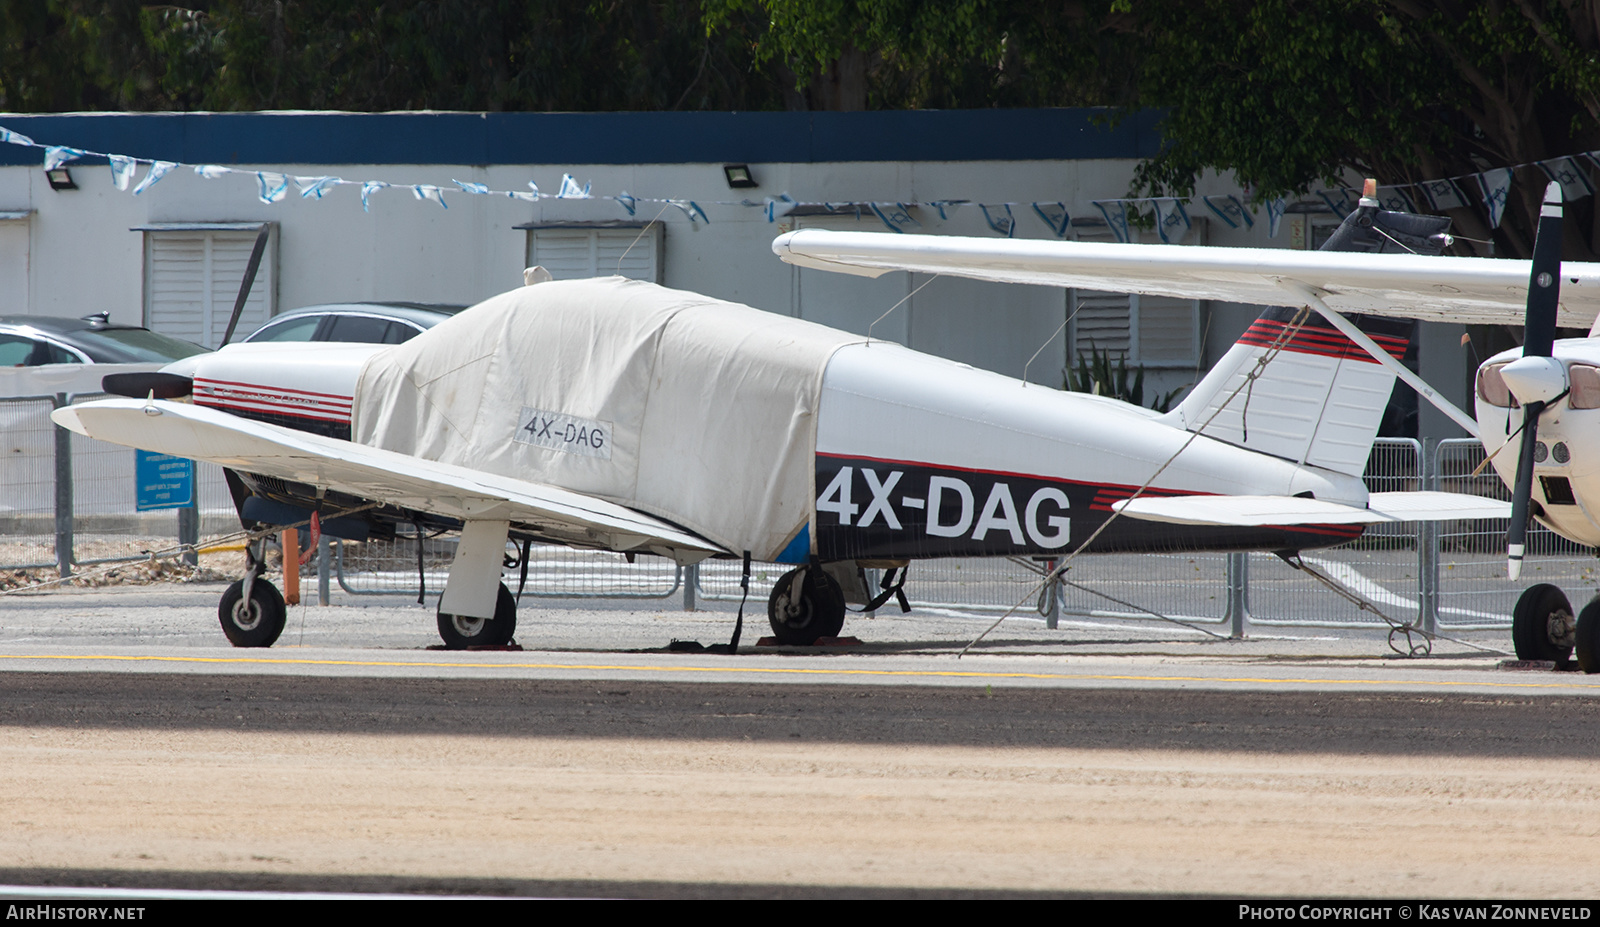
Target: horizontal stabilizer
x,y
1261,511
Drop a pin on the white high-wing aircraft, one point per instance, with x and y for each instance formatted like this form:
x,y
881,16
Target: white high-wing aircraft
x,y
1537,410
620,415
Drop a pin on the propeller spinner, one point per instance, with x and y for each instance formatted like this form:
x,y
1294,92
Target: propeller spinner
x,y
1537,378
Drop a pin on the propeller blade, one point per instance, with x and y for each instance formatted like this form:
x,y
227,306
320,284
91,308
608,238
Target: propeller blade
x,y
1539,336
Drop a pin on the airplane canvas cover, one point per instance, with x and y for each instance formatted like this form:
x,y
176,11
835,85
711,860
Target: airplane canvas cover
x,y
661,400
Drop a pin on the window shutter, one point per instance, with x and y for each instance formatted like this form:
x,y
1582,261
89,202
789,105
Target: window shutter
x,y
1167,330
192,278
571,253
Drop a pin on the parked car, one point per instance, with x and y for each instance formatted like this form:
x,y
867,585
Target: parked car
x,y
367,323
36,340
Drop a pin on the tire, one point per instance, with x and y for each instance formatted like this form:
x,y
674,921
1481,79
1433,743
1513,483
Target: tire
x,y
1588,643
1530,624
821,608
459,632
254,624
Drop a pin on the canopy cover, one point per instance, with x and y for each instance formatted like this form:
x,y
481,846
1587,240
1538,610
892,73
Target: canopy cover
x,y
700,411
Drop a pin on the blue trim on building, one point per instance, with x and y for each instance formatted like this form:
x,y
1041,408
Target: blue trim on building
x,y
592,138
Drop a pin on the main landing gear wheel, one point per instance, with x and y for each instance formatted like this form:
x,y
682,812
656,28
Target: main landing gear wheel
x,y
1542,625
1588,637
460,632
818,613
256,623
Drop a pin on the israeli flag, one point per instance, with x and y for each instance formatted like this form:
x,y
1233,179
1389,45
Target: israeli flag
x,y
369,188
427,191
272,187
779,206
313,188
1496,186
570,189
1275,209
947,208
14,138
1004,224
1574,180
57,155
894,215
1396,199
1172,220
157,171
1443,194
211,171
470,187
1341,201
122,170
1230,211
1116,216
1055,216
627,201
525,197
691,209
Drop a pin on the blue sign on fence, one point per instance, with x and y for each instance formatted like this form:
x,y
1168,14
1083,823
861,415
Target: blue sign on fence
x,y
163,481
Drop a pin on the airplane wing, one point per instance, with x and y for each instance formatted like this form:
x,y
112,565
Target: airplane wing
x,y
1260,511
1413,286
185,430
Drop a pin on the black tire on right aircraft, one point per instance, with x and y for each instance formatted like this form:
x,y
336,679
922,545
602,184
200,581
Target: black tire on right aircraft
x,y
460,632
821,608
1588,637
256,623
1530,624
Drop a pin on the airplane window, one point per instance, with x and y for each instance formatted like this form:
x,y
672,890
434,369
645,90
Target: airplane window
x,y
1584,381
1492,388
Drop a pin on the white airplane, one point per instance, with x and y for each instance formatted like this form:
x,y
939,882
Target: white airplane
x,y
620,415
1537,410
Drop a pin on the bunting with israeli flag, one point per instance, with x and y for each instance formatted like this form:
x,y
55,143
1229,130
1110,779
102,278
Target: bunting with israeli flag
x,y
16,138
57,155
1443,194
1116,215
1004,224
212,171
691,209
122,171
947,208
468,186
894,215
627,201
1574,180
570,189
1172,220
1396,199
312,188
1341,201
158,170
777,207
1496,186
1275,210
1054,216
427,191
271,187
1230,211
369,188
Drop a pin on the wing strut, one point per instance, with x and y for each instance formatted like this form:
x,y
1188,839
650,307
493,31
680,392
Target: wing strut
x,y
1383,357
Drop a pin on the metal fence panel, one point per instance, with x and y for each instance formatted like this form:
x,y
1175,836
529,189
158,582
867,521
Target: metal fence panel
x,y
554,571
27,471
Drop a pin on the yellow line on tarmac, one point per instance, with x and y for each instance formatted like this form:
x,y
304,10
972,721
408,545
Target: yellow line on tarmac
x,y
799,671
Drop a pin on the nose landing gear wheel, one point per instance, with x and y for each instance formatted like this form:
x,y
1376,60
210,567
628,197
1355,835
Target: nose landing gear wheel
x,y
460,632
256,623
1542,625
818,613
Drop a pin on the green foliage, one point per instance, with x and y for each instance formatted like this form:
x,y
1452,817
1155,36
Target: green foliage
x,y
1097,374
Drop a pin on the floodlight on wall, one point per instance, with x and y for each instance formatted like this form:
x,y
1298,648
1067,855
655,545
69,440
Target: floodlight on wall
x,y
60,179
738,175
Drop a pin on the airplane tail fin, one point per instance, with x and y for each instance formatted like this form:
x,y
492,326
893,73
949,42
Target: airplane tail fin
x,y
1317,399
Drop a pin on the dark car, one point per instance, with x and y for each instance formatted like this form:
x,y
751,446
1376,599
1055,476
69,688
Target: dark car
x,y
367,323
36,340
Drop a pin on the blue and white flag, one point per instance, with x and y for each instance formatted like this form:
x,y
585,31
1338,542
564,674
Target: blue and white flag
x,y
570,189
1496,186
57,155
122,170
1116,215
894,215
212,171
272,187
1004,224
313,188
1396,199
157,171
369,188
1230,211
468,186
947,208
1443,194
1341,201
1275,210
427,191
779,206
15,138
520,195
627,201
691,209
1055,216
1172,220
1573,178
